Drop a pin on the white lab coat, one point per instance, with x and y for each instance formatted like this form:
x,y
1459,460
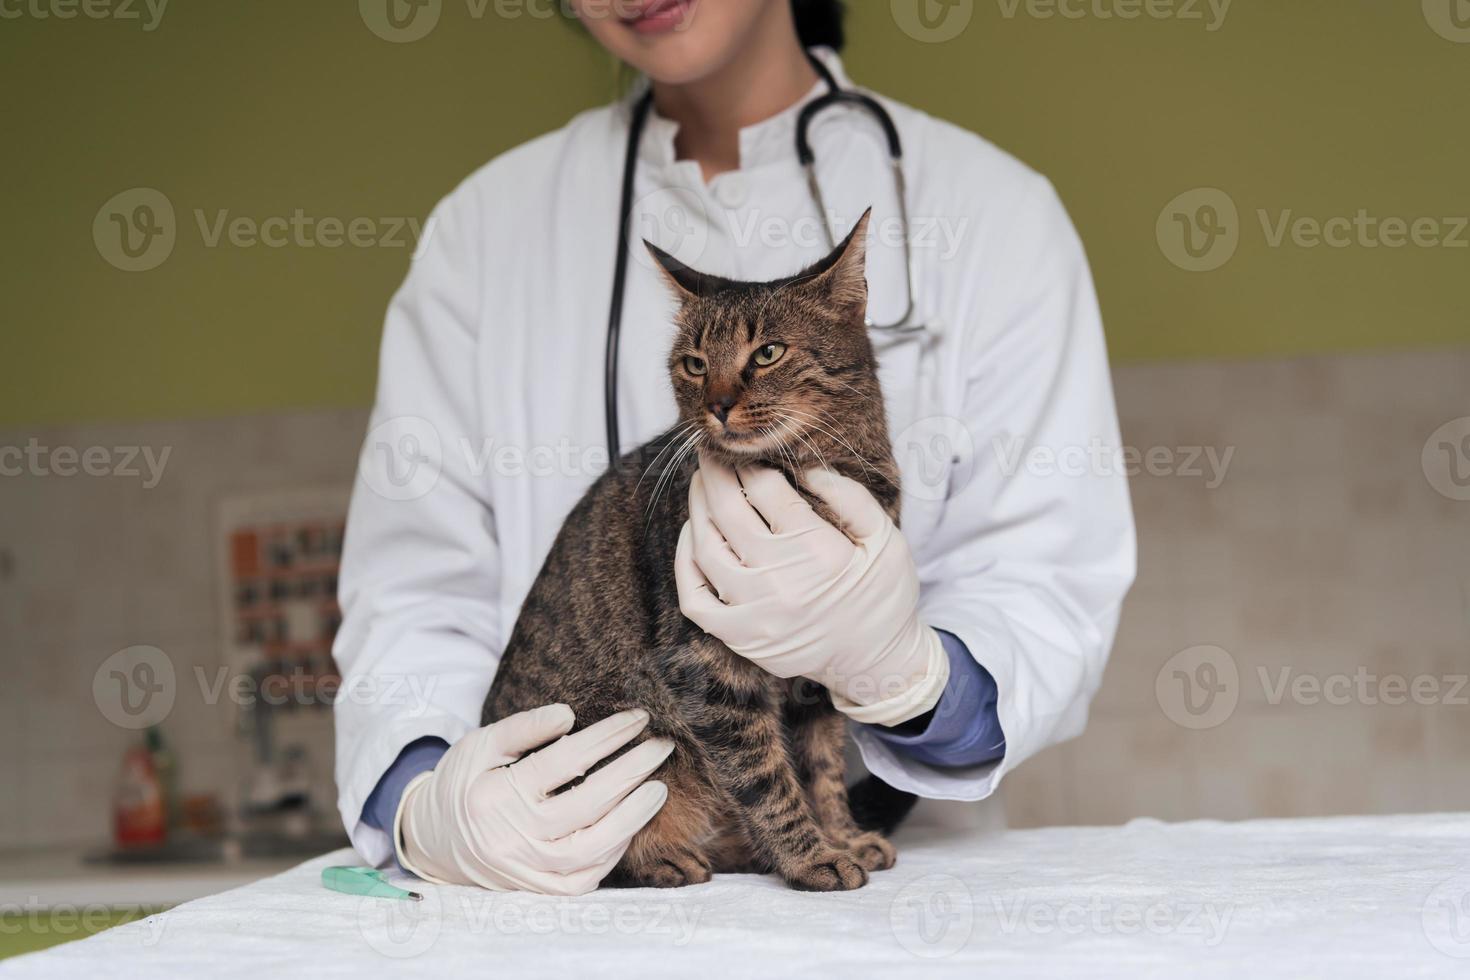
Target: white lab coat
x,y
488,424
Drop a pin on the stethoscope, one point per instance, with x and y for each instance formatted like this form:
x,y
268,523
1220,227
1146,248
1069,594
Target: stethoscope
x,y
835,95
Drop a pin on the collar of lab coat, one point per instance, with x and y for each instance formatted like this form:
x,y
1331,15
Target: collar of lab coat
x,y
768,141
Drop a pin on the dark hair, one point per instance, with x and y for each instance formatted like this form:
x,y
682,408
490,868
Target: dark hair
x,y
819,23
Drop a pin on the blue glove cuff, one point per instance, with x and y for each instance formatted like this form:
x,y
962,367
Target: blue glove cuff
x,y
417,756
964,728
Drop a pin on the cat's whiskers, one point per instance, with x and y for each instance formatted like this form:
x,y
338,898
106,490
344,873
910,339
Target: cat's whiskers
x,y
679,430
851,388
773,437
830,431
666,478
865,395
786,451
833,424
790,425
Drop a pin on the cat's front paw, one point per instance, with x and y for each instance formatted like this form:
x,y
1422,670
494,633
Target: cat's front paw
x,y
872,851
671,870
829,871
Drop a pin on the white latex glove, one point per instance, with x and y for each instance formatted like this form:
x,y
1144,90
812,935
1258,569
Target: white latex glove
x,y
485,816
759,569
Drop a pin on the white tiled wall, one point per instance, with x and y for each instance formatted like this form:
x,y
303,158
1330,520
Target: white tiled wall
x,y
1325,548
101,563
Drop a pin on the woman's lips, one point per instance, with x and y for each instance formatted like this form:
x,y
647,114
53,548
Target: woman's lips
x,y
660,16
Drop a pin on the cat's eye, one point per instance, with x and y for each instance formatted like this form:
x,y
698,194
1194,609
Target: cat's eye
x,y
695,365
769,354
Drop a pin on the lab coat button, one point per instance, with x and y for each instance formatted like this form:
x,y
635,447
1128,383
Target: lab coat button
x,y
732,190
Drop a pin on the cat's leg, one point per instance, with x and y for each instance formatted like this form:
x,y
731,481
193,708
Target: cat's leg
x,y
818,734
733,710
670,851
730,852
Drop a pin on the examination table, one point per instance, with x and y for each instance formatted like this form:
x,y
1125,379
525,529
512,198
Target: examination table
x,y
1336,897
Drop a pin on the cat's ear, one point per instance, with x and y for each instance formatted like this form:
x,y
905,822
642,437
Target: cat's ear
x,y
842,275
684,281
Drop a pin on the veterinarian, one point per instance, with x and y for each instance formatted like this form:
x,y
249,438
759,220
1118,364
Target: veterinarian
x,y
1017,541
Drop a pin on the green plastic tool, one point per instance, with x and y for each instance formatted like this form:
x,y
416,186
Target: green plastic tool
x,y
363,881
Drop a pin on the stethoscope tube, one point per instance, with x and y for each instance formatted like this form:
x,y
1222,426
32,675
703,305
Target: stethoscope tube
x,y
835,95
620,277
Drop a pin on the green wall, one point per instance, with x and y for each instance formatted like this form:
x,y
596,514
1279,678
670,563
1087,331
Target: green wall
x,y
260,108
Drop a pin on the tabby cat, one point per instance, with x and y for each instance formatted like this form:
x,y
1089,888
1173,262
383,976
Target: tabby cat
x,y
777,373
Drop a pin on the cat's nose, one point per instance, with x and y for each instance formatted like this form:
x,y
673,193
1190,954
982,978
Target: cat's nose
x,y
720,407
